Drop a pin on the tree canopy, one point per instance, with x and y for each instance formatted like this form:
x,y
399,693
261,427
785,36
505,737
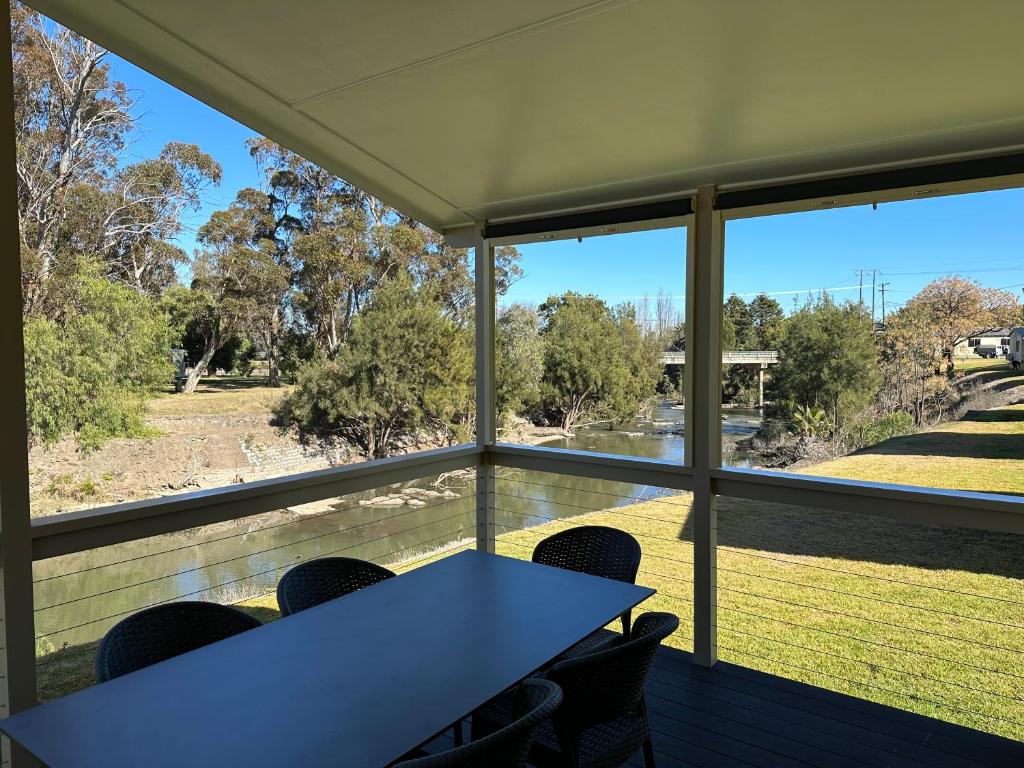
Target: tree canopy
x,y
827,359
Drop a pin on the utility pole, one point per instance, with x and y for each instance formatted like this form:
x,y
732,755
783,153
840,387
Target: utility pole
x,y
883,286
874,272
860,294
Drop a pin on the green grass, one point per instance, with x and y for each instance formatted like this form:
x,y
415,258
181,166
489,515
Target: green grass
x,y
219,396
972,364
981,452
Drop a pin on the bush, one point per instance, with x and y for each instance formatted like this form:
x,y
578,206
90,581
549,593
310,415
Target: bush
x,y
407,370
90,374
878,430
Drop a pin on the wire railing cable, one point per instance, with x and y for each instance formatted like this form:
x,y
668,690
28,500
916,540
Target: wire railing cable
x,y
262,528
250,576
246,555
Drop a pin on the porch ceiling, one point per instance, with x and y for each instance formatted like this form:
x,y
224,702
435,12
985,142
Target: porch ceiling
x,y
462,110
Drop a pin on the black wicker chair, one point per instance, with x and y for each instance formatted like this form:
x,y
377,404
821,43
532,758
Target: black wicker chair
x,y
603,717
323,579
164,631
532,702
599,551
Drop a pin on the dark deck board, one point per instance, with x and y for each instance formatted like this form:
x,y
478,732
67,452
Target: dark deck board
x,y
745,717
735,717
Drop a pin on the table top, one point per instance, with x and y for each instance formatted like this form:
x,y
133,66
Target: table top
x,y
357,681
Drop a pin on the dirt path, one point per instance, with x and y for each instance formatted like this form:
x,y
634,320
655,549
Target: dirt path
x,y
221,434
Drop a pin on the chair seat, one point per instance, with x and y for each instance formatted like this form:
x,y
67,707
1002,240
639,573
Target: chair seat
x,y
605,745
597,641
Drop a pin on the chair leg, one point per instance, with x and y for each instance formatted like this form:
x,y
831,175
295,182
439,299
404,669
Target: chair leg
x,y
648,753
457,733
626,621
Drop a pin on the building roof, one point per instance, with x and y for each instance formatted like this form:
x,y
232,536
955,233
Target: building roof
x,y
464,110
991,332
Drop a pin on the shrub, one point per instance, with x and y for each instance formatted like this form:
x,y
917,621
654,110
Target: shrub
x,y
878,430
407,369
89,375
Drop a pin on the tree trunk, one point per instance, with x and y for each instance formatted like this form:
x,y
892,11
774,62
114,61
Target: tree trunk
x,y
273,377
200,368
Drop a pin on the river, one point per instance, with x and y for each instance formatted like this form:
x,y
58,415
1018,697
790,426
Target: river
x,y
78,597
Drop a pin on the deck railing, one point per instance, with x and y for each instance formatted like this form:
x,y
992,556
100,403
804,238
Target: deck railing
x,y
787,599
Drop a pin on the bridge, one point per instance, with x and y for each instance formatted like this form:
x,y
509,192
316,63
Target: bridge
x,y
764,357
761,358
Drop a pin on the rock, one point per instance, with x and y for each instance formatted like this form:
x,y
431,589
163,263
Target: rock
x,y
416,503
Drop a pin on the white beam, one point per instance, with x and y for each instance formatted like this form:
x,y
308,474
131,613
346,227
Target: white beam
x,y
599,466
703,411
103,526
18,686
486,428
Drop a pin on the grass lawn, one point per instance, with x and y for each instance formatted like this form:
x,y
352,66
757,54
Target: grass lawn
x,y
972,364
219,396
981,452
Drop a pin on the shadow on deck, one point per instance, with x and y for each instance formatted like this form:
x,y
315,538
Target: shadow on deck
x,y
735,716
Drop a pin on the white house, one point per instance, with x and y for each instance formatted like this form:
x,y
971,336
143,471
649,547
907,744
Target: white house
x,y
1015,352
990,340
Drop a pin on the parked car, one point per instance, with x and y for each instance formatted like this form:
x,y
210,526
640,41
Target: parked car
x,y
990,351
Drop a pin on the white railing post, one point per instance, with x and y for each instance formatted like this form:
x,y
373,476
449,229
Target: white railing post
x,y
18,657
703,412
486,429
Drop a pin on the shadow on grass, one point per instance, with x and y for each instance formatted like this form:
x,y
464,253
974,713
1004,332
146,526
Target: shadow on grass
x,y
979,445
805,531
72,667
953,444
795,530
995,415
231,383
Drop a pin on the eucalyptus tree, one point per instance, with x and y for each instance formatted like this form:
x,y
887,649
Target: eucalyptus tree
x,y
240,281
71,121
141,218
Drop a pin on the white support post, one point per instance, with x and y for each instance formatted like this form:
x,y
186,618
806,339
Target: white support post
x,y
486,430
18,686
703,412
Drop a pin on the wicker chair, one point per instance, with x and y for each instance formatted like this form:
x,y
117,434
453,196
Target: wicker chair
x,y
603,718
532,702
599,551
164,631
323,579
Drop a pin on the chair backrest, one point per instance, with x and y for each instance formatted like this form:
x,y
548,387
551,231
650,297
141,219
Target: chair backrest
x,y
607,684
594,549
163,631
508,747
323,579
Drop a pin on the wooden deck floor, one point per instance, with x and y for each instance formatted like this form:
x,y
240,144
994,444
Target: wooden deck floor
x,y
733,716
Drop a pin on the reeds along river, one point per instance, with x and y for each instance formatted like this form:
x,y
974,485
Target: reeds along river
x,y
78,597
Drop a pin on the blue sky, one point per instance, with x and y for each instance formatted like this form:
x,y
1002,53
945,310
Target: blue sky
x,y
910,243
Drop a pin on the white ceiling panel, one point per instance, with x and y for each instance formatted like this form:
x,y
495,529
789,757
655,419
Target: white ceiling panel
x,y
456,110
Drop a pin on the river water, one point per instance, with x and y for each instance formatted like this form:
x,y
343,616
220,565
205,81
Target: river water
x,y
80,596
